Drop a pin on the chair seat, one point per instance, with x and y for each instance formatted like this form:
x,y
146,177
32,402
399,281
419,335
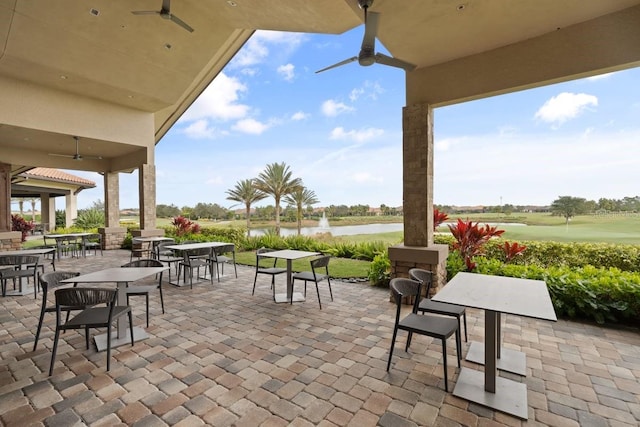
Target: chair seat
x,y
272,270
96,316
433,326
308,275
441,308
11,273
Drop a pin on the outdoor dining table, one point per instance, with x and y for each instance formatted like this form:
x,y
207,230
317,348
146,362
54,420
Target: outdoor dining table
x,y
289,255
495,295
121,276
60,237
186,247
22,252
153,240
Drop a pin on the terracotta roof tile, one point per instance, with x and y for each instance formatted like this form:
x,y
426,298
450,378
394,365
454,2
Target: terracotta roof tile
x,y
58,175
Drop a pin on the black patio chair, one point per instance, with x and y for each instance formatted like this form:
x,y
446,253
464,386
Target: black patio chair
x,y
99,310
50,281
220,259
437,327
19,267
145,290
315,275
428,306
269,270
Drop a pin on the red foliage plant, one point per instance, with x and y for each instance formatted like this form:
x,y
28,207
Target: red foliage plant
x,y
438,218
20,224
470,238
185,226
512,250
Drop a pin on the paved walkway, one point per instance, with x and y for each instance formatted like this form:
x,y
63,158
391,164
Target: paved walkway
x,y
222,357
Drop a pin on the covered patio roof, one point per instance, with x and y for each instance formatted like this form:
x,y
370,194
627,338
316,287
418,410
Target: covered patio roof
x,y
37,181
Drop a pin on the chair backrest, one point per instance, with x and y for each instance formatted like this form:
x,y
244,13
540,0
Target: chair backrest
x,y
401,288
161,248
197,253
53,280
423,276
19,260
219,250
321,262
145,262
79,298
95,237
259,256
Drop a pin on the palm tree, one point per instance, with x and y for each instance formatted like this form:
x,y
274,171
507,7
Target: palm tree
x,y
301,196
246,192
276,181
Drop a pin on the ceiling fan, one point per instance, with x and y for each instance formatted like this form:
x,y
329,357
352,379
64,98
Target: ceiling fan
x,y
76,156
368,55
165,13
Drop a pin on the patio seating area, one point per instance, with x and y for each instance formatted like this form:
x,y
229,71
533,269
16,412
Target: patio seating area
x,y
220,356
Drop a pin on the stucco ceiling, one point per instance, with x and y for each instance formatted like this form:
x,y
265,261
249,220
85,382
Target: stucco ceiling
x,y
99,50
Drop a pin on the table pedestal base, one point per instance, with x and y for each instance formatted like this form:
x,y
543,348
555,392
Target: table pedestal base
x,y
510,397
101,340
297,297
509,361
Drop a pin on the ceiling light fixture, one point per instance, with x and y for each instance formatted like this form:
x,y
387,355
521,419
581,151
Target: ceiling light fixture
x,y
232,3
94,12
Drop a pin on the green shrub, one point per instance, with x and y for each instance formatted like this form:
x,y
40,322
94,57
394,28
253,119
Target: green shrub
x,y
89,219
380,271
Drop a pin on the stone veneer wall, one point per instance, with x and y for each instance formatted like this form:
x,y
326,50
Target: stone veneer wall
x,y
112,237
10,240
432,258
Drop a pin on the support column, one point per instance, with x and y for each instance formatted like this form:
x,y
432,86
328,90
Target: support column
x,y
418,249
113,234
71,209
47,212
147,188
9,240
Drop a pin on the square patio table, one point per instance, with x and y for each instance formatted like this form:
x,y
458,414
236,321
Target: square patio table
x,y
121,276
186,247
495,295
60,237
289,255
154,240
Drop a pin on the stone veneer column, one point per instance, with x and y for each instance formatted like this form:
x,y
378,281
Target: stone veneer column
x,y
147,188
112,234
418,249
47,212
9,240
71,208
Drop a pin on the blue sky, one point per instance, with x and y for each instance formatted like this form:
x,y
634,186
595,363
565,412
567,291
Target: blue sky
x,y
341,132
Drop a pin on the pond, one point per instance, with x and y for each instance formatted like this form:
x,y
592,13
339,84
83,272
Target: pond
x,y
340,230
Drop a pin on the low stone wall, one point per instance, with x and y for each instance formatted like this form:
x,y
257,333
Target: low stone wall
x,y
10,240
112,237
432,258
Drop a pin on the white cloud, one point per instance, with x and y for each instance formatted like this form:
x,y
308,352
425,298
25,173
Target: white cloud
x,y
355,135
368,90
299,115
363,177
287,72
355,94
565,106
199,129
251,126
219,101
331,108
257,49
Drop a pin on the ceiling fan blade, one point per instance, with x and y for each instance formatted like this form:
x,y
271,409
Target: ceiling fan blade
x,y
346,61
145,12
68,156
370,30
394,62
180,22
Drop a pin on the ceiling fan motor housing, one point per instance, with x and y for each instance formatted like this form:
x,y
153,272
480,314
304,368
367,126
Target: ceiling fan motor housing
x,y
365,3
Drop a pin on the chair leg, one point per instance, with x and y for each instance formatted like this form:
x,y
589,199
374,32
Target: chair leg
x,y
161,297
444,361
108,347
147,301
317,291
459,347
393,342
330,291
54,350
408,341
39,329
86,337
255,279
464,316
131,326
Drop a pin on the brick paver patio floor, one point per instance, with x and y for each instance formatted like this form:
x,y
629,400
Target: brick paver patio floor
x,y
220,356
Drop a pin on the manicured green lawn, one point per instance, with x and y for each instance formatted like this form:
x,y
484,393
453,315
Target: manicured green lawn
x,y
338,267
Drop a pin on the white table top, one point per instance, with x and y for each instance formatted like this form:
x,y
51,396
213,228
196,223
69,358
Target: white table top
x,y
39,251
289,254
199,245
60,236
151,239
116,274
522,297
